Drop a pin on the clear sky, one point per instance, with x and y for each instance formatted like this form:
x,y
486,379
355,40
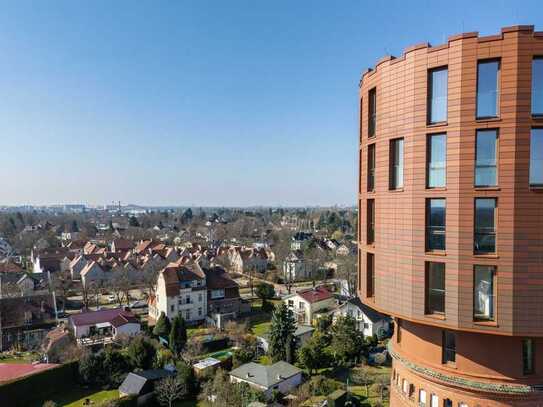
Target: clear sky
x,y
229,103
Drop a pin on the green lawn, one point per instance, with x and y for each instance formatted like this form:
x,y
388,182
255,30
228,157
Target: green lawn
x,y
77,396
261,328
26,357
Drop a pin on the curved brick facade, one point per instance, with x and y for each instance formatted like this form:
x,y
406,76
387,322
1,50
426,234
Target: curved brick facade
x,y
489,353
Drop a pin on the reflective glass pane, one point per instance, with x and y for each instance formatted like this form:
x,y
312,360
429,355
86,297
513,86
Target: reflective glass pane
x,y
487,88
438,95
437,160
536,157
483,292
537,86
485,163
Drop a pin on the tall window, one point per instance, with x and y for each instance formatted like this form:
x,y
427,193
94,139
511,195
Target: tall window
x,y
536,157
435,288
447,403
528,356
449,347
437,95
370,275
372,112
396,164
537,86
485,160
422,398
434,401
371,167
435,224
436,166
483,292
485,225
370,236
487,88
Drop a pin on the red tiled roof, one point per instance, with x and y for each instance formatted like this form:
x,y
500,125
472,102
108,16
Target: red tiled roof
x,y
313,295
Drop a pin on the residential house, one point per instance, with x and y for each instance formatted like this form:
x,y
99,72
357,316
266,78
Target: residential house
x,y
223,299
9,266
16,284
301,335
309,304
368,321
55,344
93,272
295,268
25,320
180,289
109,323
280,376
299,239
51,260
121,245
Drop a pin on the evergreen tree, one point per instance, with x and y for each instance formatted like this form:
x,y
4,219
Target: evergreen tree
x,y
282,330
347,342
141,353
162,327
178,335
133,222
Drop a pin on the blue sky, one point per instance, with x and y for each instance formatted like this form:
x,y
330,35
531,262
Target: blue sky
x,y
230,103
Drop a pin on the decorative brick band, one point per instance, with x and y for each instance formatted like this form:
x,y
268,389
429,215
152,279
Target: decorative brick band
x,y
473,385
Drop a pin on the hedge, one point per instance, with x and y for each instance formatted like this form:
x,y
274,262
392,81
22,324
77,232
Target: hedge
x,y
34,389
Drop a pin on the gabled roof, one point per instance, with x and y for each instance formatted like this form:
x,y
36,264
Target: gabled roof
x,y
174,274
217,277
265,375
316,294
123,244
372,315
134,382
105,315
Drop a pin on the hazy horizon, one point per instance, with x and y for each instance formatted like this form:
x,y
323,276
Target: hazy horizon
x,y
216,104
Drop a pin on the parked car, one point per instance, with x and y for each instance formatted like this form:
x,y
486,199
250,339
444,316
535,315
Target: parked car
x,y
138,304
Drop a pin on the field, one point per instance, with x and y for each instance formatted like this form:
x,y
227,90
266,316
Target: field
x,y
77,396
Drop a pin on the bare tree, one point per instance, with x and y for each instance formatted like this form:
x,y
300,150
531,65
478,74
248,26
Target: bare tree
x,y
169,390
347,270
362,376
61,282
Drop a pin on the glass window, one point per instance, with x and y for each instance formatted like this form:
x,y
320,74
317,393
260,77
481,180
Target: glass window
x,y
435,224
483,292
396,163
447,403
370,238
528,356
437,95
435,288
485,225
437,160
371,167
422,397
372,112
537,86
485,160
487,88
370,275
434,401
449,347
536,157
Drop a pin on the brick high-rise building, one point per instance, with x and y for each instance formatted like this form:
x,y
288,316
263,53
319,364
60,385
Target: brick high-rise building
x,y
451,217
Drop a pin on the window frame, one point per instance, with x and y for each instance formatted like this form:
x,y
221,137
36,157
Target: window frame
x,y
496,157
537,115
534,185
446,349
430,93
370,167
498,89
372,112
494,302
370,221
477,231
428,226
428,310
528,370
370,275
393,183
429,160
